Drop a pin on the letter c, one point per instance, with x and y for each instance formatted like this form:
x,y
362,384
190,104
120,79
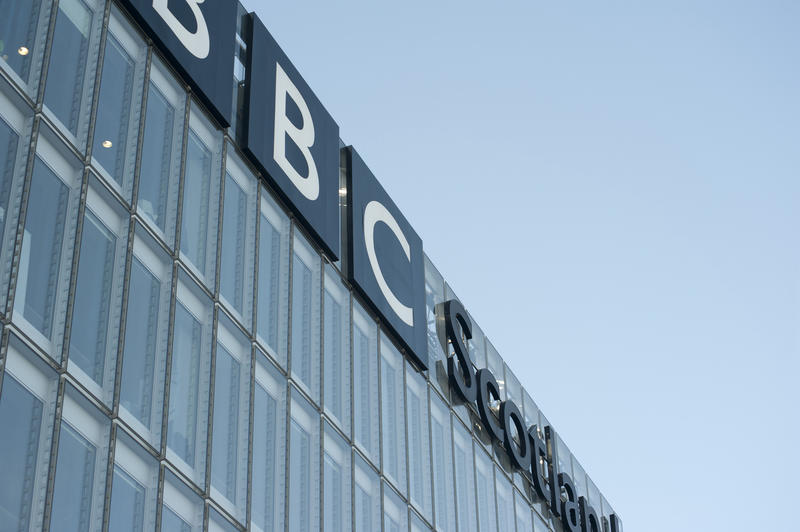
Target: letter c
x,y
373,213
198,43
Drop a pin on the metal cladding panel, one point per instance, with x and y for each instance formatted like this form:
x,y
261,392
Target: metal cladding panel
x,y
293,138
385,261
200,40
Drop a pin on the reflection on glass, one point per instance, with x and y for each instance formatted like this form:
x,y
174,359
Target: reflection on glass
x,y
367,495
68,59
393,419
182,509
336,475
484,482
303,465
41,248
18,34
231,417
170,521
196,202
158,146
395,512
141,363
269,406
419,459
127,503
465,479
505,502
21,418
523,512
226,423
434,294
8,150
187,422
232,259
272,284
441,451
365,382
72,495
305,315
113,109
336,350
93,299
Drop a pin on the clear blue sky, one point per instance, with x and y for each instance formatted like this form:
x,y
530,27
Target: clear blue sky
x,y
613,191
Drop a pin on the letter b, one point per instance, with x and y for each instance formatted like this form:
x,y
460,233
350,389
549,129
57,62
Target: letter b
x,y
303,137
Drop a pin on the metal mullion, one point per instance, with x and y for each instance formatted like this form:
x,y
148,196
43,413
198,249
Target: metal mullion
x,y
73,272
137,165
248,511
109,476
52,462
168,363
123,319
210,414
187,104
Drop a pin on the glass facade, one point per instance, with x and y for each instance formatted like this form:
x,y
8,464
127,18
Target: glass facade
x,y
176,353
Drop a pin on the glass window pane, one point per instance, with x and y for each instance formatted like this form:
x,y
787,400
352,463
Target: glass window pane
x,y
304,346
365,383
231,418
465,477
119,104
367,497
78,494
9,140
395,511
182,509
416,524
393,416
146,336
336,350
238,236
46,246
496,366
505,502
269,436
484,483
96,306
67,93
26,412
419,459
336,476
273,278
15,122
434,294
134,488
159,169
217,523
18,37
523,512
441,450
304,445
189,381
201,198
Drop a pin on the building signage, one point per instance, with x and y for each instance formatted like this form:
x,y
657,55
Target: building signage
x,y
294,140
531,449
291,136
384,258
200,38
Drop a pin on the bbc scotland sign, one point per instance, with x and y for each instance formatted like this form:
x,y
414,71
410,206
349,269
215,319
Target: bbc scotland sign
x,y
295,142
